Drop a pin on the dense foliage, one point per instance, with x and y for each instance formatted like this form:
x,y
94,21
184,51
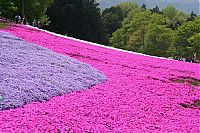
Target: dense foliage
x,y
33,9
3,25
76,18
9,8
166,33
113,17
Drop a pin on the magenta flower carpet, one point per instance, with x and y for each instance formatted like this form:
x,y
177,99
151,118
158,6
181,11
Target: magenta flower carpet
x,y
120,92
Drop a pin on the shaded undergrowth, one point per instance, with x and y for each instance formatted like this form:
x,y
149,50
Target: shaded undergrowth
x,y
3,25
189,80
195,103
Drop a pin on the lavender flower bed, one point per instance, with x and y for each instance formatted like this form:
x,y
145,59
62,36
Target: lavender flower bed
x,y
30,73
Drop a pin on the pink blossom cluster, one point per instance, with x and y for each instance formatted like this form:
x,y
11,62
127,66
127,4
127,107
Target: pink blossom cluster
x,y
139,95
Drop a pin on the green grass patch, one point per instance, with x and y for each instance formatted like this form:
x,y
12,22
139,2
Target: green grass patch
x,y
179,81
194,104
3,25
189,80
195,83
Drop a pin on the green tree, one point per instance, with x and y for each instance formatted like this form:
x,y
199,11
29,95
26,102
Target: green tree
x,y
76,18
195,44
136,41
155,10
33,9
8,8
185,32
174,18
160,41
191,17
112,20
132,34
113,17
170,11
36,9
143,6
126,7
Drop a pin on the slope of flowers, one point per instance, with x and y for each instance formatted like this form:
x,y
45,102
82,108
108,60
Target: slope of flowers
x,y
139,96
32,73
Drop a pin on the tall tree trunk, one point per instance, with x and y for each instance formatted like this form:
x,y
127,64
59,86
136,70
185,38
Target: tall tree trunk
x,y
22,9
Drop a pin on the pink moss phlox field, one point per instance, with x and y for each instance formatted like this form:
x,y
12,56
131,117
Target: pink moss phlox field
x,y
138,96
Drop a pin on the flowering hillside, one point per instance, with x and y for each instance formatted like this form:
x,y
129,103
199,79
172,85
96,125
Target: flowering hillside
x,y
32,73
137,94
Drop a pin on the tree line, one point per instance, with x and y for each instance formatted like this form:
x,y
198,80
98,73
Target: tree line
x,y
166,33
31,9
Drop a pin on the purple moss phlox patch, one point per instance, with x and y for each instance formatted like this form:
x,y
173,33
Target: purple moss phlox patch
x,y
30,73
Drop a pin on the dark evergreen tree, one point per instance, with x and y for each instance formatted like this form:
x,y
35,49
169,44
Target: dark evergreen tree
x,y
192,16
113,17
143,6
177,24
31,9
155,10
77,18
112,20
8,8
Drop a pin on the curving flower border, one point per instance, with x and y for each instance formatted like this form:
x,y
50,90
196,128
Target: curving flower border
x,y
138,97
30,73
